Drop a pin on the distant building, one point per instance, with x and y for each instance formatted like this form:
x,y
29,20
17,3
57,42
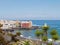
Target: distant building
x,y
9,24
15,24
26,24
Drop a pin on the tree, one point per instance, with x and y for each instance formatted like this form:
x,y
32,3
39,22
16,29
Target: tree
x,y
18,33
55,37
45,28
44,39
53,32
38,33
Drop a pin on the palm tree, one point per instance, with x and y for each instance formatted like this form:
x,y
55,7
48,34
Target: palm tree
x,y
45,28
53,32
54,35
44,39
39,34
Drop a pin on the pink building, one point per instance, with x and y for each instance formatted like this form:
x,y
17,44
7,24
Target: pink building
x,y
26,24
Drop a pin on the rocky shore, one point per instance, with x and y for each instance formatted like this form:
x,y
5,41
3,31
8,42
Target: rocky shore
x,y
18,28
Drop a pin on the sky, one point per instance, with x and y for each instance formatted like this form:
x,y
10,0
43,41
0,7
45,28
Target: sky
x,y
30,9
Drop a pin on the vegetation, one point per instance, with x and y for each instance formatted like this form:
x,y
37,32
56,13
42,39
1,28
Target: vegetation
x,y
26,43
2,40
53,32
50,43
18,33
40,34
1,25
55,37
44,38
45,28
0,28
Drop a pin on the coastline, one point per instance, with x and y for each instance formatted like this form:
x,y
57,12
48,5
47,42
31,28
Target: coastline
x,y
18,28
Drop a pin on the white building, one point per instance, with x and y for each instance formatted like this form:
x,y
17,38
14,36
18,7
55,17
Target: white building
x,y
8,24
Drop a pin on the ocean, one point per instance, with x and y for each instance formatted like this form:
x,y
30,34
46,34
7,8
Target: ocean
x,y
53,24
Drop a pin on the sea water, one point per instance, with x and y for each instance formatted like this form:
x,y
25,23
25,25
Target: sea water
x,y
53,24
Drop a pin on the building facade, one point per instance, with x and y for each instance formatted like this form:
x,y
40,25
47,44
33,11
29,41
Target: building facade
x,y
8,24
26,24
15,24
